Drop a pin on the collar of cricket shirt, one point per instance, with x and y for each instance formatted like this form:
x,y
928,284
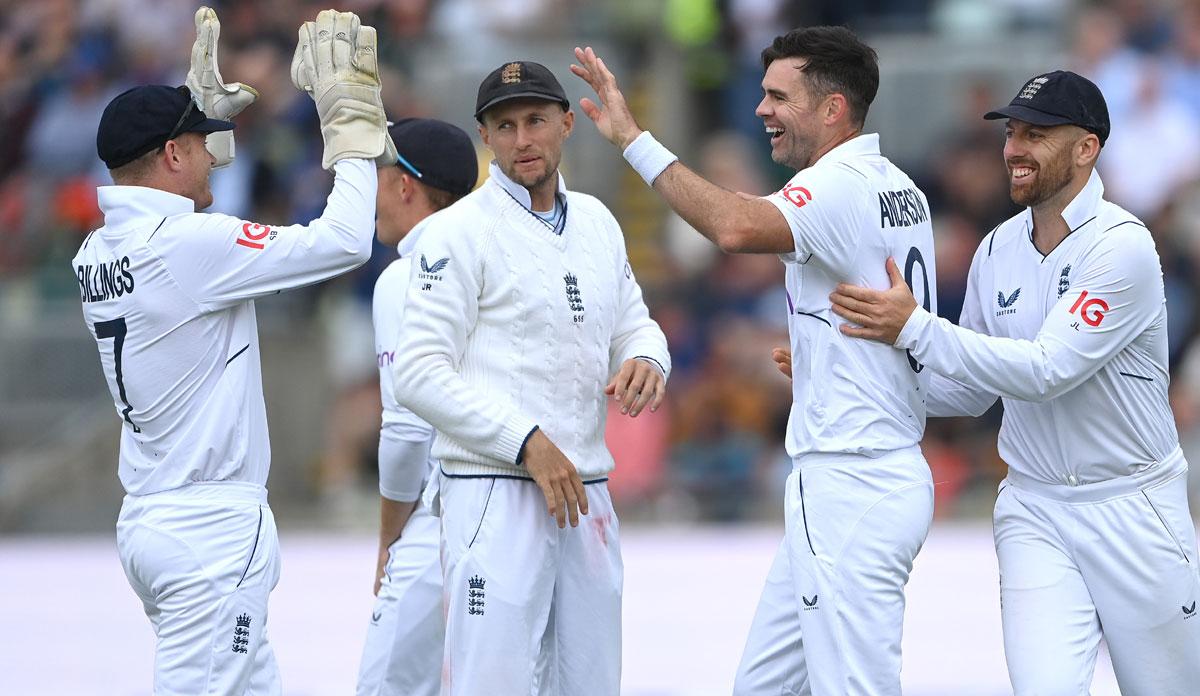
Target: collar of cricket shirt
x,y
406,245
1083,206
521,195
859,145
131,205
1081,209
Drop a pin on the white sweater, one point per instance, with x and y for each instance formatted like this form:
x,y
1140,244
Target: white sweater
x,y
510,326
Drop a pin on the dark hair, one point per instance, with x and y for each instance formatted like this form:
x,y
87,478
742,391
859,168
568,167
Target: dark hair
x,y
838,62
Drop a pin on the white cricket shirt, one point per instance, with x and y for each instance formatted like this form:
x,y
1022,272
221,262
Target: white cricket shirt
x,y
1076,343
168,294
404,439
848,213
512,323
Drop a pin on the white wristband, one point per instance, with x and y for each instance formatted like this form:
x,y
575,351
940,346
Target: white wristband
x,y
648,157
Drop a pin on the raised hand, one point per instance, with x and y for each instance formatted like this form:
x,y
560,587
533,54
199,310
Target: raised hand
x,y
612,116
335,62
215,97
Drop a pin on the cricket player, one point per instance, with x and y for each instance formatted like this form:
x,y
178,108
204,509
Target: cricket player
x,y
1065,320
522,314
403,651
168,293
859,500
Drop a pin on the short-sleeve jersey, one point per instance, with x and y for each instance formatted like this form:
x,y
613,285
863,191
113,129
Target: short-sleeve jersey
x,y
848,213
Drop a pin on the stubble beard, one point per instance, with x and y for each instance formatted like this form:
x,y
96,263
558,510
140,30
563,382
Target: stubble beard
x,y
533,183
1051,179
797,157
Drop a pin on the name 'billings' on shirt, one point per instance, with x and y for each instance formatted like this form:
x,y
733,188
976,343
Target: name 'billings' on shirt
x,y
105,281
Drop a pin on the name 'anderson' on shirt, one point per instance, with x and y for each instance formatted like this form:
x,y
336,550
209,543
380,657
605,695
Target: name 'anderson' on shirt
x,y
901,208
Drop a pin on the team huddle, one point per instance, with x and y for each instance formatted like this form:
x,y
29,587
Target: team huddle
x,y
499,567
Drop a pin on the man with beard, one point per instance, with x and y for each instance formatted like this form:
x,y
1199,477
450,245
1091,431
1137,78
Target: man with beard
x,y
522,313
859,500
1065,320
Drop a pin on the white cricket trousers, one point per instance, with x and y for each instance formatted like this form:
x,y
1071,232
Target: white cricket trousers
x,y
831,614
531,609
1116,558
203,559
403,652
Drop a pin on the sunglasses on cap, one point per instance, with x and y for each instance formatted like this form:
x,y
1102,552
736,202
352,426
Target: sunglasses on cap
x,y
187,111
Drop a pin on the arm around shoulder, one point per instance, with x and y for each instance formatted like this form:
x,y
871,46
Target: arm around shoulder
x,y
1116,295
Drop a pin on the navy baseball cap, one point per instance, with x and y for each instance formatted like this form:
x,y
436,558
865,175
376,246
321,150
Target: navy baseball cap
x,y
439,154
1059,98
141,119
517,79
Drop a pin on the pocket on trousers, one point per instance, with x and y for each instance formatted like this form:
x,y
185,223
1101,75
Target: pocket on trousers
x,y
487,499
1165,523
465,504
253,548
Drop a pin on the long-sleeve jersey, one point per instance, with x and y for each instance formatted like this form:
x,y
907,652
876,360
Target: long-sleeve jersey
x,y
512,322
404,439
848,213
168,294
1075,341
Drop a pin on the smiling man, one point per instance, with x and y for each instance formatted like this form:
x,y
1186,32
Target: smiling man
x,y
859,500
1092,527
522,314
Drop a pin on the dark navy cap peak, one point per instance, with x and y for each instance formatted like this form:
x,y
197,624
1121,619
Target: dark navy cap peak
x,y
517,79
437,153
1059,98
141,119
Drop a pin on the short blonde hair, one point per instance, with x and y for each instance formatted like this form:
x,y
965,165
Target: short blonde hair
x,y
137,170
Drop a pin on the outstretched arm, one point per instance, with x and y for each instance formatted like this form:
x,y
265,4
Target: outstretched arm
x,y
737,224
1122,278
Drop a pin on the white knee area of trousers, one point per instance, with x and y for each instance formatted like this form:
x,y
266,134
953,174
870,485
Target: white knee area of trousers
x,y
773,661
402,653
853,527
203,562
1123,566
531,608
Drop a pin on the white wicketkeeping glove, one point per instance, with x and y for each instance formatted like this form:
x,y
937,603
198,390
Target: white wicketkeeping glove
x,y
335,63
214,97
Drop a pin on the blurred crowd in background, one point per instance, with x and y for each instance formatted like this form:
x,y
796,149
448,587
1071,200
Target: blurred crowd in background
x,y
715,452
